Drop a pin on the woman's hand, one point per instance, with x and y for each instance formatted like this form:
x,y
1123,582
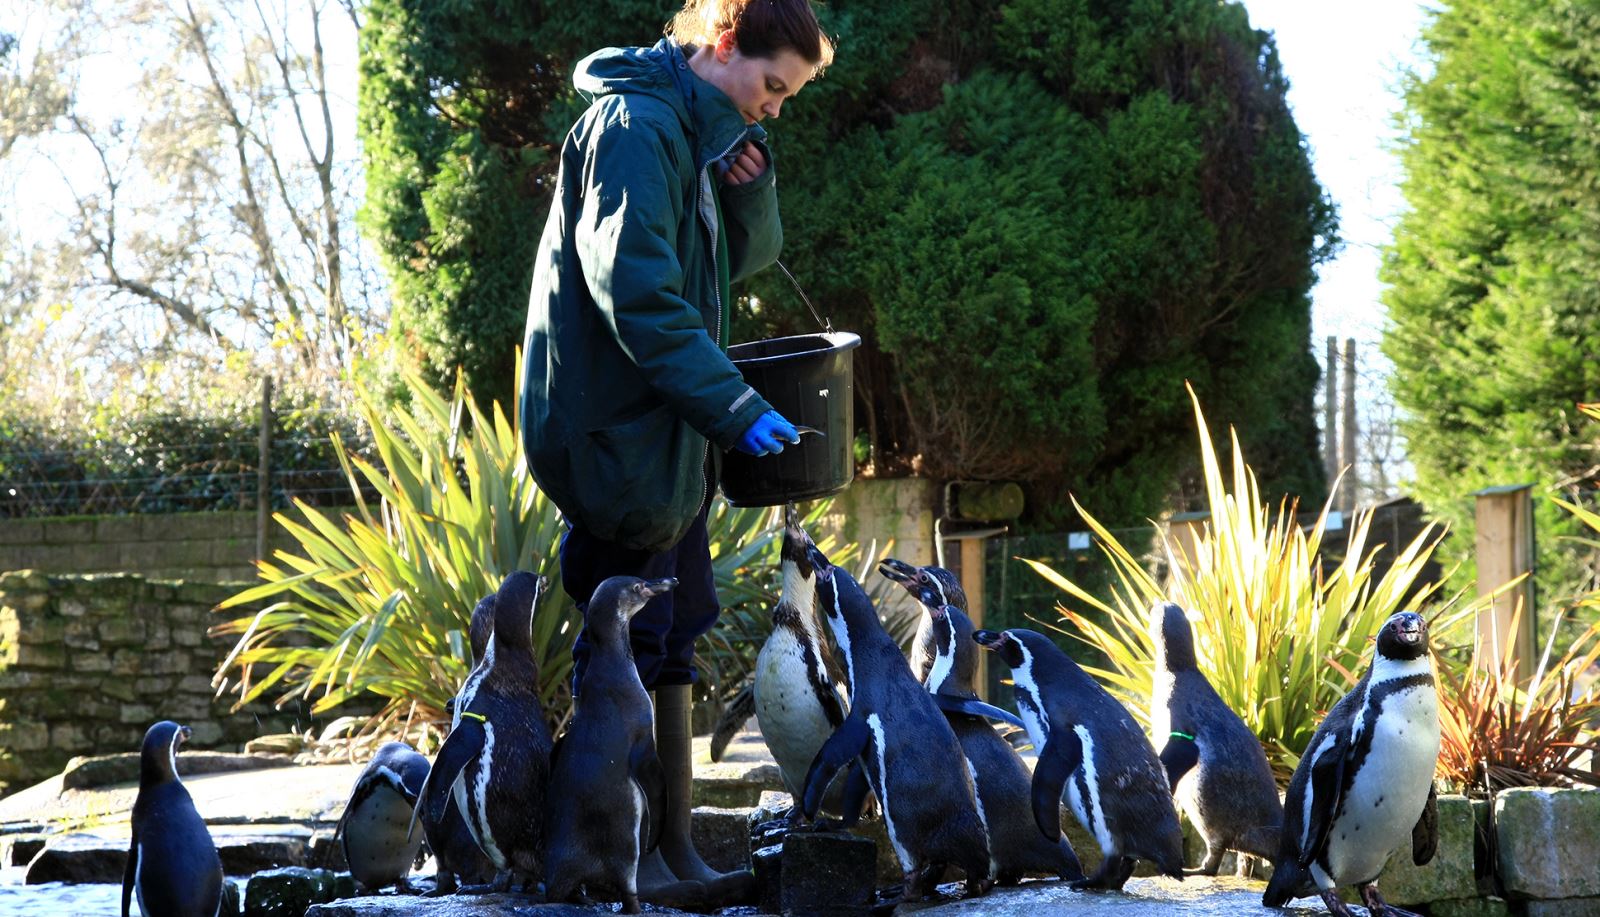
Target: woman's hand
x,y
747,167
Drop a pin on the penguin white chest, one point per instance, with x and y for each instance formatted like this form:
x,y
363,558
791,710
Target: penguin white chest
x,y
791,719
376,844
1390,787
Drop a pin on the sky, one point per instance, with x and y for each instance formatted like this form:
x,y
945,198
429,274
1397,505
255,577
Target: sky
x,y
1344,66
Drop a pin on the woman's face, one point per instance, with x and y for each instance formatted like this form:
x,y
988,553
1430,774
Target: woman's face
x,y
758,86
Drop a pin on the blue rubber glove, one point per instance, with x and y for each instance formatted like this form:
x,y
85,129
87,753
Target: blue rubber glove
x,y
767,435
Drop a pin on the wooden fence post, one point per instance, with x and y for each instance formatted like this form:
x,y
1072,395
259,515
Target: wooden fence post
x,y
1504,548
972,583
264,471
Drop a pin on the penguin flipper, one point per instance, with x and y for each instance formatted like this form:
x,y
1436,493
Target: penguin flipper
x,y
1326,789
1061,755
1425,836
646,771
855,794
846,743
971,706
1178,756
464,745
734,715
129,871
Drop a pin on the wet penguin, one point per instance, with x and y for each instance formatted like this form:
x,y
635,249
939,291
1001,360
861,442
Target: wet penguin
x,y
1004,785
1090,747
933,586
456,855
377,831
172,865
909,755
1364,787
607,787
797,694
496,761
1215,766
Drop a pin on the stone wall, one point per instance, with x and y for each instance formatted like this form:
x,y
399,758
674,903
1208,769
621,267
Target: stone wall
x,y
87,663
212,547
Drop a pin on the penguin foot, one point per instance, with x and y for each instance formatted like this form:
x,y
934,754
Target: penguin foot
x,y
1379,907
1336,905
444,883
977,888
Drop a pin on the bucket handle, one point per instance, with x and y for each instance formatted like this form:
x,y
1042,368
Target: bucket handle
x,y
827,326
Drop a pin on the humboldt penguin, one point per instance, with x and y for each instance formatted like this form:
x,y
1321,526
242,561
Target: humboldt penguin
x,y
377,830
607,796
1003,782
933,586
496,761
910,755
172,864
798,699
1215,765
1090,748
1364,786
456,855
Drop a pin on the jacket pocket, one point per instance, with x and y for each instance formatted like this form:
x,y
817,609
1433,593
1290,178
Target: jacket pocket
x,y
640,483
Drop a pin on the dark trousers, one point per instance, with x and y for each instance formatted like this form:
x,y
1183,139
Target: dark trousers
x,y
664,631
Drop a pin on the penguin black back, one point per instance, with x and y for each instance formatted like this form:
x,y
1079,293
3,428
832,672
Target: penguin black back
x,y
1215,765
1091,749
605,778
172,865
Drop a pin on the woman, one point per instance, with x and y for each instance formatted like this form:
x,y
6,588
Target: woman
x,y
666,195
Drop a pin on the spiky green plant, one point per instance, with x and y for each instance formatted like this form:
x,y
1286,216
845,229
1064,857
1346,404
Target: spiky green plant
x,y
1279,641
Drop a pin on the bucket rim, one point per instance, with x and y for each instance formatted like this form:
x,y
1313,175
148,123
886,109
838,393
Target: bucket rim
x,y
838,342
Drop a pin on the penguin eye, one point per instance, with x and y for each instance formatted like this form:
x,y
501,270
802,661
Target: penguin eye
x,y
922,576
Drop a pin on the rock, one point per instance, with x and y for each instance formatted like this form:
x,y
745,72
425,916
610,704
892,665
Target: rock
x,y
722,836
502,905
826,873
1449,875
734,784
767,864
80,857
1565,907
232,900
287,892
1547,843
246,852
1470,907
287,743
105,770
20,851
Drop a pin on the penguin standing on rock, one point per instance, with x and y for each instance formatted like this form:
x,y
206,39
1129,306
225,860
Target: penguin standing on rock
x,y
607,787
496,760
456,856
1090,747
1215,765
796,691
1004,786
1364,786
172,867
377,831
909,754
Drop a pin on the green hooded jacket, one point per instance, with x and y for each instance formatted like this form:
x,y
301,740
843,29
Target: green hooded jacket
x,y
627,386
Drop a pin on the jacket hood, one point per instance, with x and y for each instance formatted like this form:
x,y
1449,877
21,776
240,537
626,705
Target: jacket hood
x,y
709,117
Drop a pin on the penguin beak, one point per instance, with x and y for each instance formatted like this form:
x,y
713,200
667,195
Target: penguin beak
x,y
184,732
939,612
820,562
1411,628
652,588
988,639
897,570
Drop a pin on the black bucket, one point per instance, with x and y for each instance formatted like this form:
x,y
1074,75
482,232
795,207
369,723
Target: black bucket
x,y
806,378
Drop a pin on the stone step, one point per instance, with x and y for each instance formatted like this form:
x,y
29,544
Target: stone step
x,y
101,855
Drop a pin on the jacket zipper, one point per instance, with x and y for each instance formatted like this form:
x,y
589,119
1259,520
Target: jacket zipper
x,y
716,292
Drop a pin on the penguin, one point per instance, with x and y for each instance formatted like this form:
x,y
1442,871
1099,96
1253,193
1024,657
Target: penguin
x,y
172,865
1364,785
1216,768
456,856
1090,747
608,799
496,761
1002,780
933,586
798,700
909,755
377,830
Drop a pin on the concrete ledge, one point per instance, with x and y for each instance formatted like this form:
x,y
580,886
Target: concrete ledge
x,y
1549,842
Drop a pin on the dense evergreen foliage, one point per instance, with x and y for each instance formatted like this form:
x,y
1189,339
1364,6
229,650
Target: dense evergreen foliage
x,y
1043,216
1495,267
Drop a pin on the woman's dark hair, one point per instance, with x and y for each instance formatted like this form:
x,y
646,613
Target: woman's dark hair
x,y
761,28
